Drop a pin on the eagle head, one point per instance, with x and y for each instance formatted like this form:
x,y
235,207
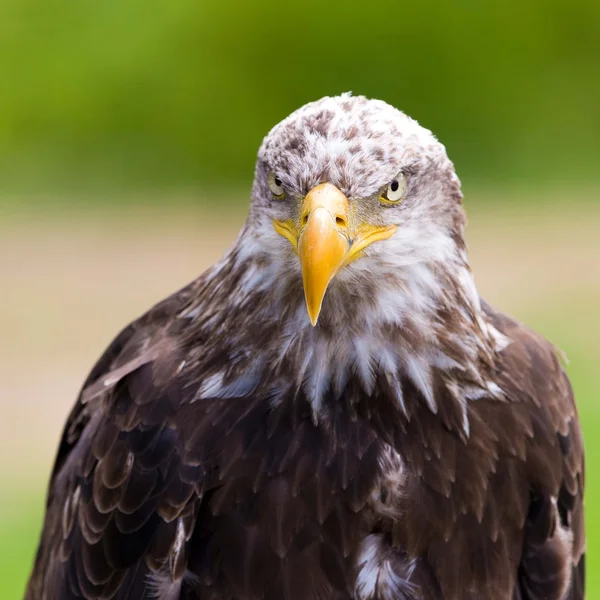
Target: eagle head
x,y
353,195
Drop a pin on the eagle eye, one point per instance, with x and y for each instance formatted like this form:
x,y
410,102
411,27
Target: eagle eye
x,y
276,186
395,191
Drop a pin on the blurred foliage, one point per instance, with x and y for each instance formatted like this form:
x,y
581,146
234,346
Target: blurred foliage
x,y
137,94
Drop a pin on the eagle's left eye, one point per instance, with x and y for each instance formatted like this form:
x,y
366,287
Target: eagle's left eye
x,y
276,186
395,190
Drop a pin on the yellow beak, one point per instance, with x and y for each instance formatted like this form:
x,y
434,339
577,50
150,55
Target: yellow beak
x,y
326,241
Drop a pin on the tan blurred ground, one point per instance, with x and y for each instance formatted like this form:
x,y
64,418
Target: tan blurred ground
x,y
68,284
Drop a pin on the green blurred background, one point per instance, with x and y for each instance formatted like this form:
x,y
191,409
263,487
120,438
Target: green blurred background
x,y
128,132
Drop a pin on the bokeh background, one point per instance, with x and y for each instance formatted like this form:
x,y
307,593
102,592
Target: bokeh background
x,y
128,131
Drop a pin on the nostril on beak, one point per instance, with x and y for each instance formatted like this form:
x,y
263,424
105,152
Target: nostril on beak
x,y
304,220
340,221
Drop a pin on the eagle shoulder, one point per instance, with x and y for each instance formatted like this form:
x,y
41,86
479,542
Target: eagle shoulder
x,y
116,469
531,375
498,514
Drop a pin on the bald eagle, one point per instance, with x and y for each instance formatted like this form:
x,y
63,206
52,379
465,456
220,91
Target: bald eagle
x,y
328,413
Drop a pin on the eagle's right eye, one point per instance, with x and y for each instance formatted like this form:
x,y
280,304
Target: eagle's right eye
x,y
276,186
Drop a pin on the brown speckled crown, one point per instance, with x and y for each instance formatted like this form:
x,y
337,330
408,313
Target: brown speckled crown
x,y
350,141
